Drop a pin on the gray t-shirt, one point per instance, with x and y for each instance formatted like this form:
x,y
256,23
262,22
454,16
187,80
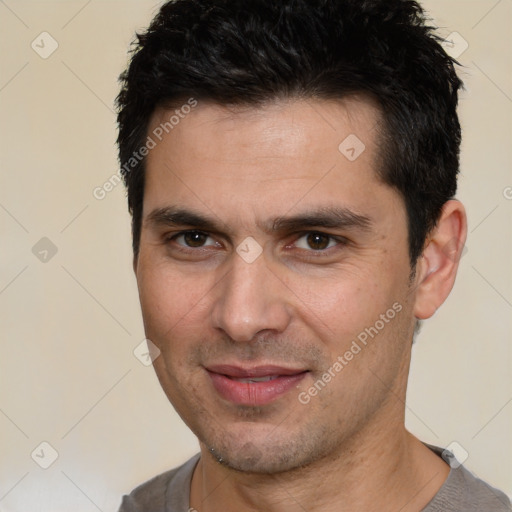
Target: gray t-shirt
x,y
461,492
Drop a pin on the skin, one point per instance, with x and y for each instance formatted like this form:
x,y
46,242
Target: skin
x,y
296,305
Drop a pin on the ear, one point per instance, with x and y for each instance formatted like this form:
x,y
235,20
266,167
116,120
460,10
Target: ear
x,y
437,267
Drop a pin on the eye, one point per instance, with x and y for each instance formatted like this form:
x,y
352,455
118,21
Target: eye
x,y
316,241
192,239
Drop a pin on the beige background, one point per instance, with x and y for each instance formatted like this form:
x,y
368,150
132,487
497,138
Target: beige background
x,y
70,324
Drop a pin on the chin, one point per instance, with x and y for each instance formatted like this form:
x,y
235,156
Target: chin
x,y
269,457
248,459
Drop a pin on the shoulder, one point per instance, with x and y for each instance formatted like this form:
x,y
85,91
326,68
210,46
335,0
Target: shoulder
x,y
156,494
464,492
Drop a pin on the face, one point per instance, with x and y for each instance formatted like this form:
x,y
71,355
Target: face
x,y
273,276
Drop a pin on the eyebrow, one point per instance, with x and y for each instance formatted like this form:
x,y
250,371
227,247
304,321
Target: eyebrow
x,y
326,217
170,216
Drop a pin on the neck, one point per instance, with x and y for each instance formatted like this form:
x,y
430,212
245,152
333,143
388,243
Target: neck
x,y
386,469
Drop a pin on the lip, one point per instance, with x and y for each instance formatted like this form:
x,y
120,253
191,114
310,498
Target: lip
x,y
225,380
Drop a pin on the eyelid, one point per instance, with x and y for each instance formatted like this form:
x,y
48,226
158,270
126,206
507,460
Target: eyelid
x,y
172,237
341,240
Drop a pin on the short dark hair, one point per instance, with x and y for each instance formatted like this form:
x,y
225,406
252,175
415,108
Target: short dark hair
x,y
249,52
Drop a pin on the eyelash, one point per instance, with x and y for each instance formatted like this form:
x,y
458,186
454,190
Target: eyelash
x,y
172,238
340,241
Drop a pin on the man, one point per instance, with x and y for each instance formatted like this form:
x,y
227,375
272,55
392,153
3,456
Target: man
x,y
291,169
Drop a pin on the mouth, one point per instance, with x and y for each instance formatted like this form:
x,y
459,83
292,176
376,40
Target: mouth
x,y
254,386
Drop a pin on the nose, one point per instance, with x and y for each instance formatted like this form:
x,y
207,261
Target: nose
x,y
250,299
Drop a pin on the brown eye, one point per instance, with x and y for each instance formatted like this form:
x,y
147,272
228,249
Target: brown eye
x,y
315,241
193,239
318,241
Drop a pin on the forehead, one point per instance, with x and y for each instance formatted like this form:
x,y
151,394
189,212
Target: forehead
x,y
279,156
287,128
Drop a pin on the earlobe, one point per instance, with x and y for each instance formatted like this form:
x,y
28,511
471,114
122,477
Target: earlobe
x,y
437,267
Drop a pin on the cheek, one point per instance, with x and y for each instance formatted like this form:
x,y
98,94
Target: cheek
x,y
342,306
171,301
